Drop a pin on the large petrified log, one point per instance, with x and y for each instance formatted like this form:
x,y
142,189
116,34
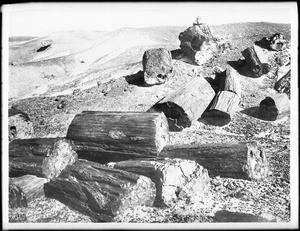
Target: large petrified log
x,y
232,82
254,67
157,66
221,109
99,191
284,84
24,189
113,134
186,105
173,178
228,216
235,160
198,43
43,157
274,107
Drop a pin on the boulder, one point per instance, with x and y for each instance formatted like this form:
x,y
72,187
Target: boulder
x,y
198,43
157,66
277,42
19,125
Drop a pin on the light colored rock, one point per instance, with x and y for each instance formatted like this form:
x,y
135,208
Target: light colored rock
x,y
20,127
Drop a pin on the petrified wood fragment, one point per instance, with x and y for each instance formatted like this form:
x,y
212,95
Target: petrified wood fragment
x,y
173,178
43,157
112,134
99,191
24,189
235,160
186,105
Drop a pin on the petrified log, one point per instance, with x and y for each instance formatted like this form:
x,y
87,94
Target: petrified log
x,y
19,125
24,189
173,178
111,134
232,81
43,157
99,191
254,67
277,42
274,107
221,109
239,160
284,84
198,43
157,66
186,105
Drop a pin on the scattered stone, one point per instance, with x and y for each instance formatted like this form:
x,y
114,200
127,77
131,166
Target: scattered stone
x,y
157,66
61,105
19,125
277,42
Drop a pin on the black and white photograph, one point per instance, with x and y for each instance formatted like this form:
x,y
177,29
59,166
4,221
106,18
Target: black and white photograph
x,y
150,115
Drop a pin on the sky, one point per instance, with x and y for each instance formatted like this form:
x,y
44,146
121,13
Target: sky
x,y
40,19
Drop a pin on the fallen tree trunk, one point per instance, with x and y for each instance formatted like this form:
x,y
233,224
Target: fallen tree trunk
x,y
186,104
232,82
274,107
228,216
24,189
98,191
222,108
254,67
173,178
112,134
234,160
43,157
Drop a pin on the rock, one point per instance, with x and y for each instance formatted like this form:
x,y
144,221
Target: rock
x,y
19,125
157,66
198,43
277,42
283,85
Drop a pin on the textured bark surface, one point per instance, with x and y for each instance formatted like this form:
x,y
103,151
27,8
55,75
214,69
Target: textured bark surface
x,y
24,189
232,82
221,109
43,157
234,160
157,66
186,105
274,107
112,134
99,191
173,178
254,67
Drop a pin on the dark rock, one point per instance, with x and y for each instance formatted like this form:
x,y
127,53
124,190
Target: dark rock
x,y
157,66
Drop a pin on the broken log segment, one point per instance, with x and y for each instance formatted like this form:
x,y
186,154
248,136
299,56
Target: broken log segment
x,y
283,85
186,105
24,189
274,107
234,160
222,108
43,157
232,81
99,191
253,64
119,133
173,178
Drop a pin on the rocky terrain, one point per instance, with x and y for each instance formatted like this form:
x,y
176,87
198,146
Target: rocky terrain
x,y
93,71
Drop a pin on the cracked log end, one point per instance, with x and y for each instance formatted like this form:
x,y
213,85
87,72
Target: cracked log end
x,y
62,154
24,189
162,136
257,167
173,178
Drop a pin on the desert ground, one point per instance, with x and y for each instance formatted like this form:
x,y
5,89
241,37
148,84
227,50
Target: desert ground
x,y
90,71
